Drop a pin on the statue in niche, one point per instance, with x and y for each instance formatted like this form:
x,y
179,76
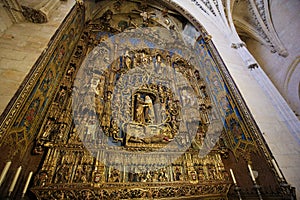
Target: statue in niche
x,y
200,172
111,80
146,17
62,174
144,58
155,176
193,176
88,170
162,175
144,109
114,131
148,177
152,124
80,175
127,24
60,136
174,107
90,129
114,176
47,130
149,110
74,137
41,179
174,125
61,96
200,80
159,65
127,61
99,94
178,173
161,93
87,159
140,109
105,20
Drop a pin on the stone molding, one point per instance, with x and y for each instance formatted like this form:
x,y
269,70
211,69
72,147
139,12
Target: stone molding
x,y
31,11
14,10
263,26
258,25
39,13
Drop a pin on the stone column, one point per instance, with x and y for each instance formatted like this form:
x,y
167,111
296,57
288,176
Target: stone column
x,y
285,112
283,109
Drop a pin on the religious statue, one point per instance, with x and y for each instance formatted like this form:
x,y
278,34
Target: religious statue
x,y
162,175
177,174
62,174
47,130
161,93
91,129
74,137
139,109
127,61
159,65
114,131
41,179
146,17
114,176
80,175
149,110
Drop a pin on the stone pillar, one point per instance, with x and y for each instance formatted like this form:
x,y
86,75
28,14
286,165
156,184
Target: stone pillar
x,y
285,112
283,109
247,58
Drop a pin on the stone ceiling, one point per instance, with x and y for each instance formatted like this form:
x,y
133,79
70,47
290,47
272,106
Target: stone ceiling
x,y
251,18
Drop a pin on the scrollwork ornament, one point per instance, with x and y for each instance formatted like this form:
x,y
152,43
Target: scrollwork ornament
x,y
133,94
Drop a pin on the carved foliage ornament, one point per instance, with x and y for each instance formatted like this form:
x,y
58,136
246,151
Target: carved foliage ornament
x,y
135,121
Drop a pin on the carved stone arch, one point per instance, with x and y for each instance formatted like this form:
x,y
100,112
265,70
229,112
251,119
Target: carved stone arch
x,y
245,30
102,168
253,19
32,11
292,85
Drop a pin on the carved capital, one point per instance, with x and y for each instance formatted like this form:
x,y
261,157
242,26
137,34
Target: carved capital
x,y
238,45
283,53
39,12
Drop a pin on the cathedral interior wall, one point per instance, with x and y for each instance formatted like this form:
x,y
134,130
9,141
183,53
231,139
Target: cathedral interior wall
x,y
21,45
5,21
284,72
282,144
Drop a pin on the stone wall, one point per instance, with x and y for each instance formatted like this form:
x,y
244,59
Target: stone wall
x,y
21,44
5,21
285,74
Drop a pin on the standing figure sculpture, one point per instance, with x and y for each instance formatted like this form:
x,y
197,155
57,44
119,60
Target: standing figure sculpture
x,y
149,110
139,109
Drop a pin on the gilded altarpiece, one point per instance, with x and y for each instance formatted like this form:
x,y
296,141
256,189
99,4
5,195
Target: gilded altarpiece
x,y
113,121
26,114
